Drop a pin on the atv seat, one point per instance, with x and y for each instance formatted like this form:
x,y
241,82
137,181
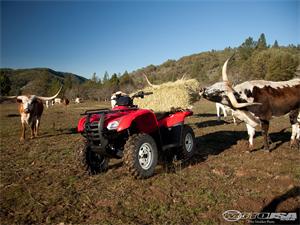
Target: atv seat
x,y
161,115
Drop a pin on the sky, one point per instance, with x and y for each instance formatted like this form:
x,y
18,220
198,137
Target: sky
x,y
84,37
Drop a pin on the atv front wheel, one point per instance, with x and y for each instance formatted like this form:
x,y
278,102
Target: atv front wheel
x,y
140,155
188,143
91,161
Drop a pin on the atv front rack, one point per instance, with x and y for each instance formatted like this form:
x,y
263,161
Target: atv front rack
x,y
94,130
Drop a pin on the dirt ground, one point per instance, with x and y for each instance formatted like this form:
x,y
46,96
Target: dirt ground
x,y
41,182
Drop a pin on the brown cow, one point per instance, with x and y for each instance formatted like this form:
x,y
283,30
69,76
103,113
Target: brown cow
x,y
31,108
256,102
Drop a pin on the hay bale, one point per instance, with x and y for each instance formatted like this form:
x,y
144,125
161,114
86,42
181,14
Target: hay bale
x,y
179,94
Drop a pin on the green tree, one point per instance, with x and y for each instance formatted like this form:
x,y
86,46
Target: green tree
x,y
259,64
125,79
262,43
246,49
246,71
5,84
275,45
281,66
105,77
94,78
114,82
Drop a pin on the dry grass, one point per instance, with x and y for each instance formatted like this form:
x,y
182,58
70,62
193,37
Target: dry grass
x,y
41,182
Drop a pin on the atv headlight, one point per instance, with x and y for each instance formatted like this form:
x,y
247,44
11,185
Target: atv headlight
x,y
113,125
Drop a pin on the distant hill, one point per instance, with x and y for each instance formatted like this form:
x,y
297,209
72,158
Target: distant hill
x,y
252,60
40,81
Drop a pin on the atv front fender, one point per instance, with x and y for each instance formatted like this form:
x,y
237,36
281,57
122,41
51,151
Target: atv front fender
x,y
144,120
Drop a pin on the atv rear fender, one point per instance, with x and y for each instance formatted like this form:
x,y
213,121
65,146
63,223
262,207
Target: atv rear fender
x,y
144,120
174,119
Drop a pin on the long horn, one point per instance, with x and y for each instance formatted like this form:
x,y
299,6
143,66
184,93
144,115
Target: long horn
x,y
152,85
8,97
49,98
229,90
247,117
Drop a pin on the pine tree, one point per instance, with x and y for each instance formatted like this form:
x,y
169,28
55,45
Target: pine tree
x,y
281,66
94,78
259,64
246,49
105,77
262,43
114,82
275,45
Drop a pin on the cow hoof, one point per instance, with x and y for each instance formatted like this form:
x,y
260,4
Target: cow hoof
x,y
22,139
250,149
295,145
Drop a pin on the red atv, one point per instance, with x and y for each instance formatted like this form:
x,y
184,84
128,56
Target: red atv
x,y
137,135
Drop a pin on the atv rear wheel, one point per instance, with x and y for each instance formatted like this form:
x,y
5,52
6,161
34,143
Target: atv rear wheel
x,y
92,162
188,143
140,155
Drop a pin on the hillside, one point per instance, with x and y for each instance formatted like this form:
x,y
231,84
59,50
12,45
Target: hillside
x,y
252,60
276,64
41,81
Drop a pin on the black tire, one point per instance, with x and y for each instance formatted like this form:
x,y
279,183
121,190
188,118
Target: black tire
x,y
188,143
138,166
92,162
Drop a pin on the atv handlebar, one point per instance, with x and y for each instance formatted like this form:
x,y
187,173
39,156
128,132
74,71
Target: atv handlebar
x,y
141,94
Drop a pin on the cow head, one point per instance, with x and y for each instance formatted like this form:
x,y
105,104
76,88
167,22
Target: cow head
x,y
28,101
215,93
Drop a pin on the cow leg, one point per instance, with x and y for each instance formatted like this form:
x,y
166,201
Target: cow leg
x,y
251,133
265,129
22,138
218,112
295,128
233,117
224,112
37,125
32,129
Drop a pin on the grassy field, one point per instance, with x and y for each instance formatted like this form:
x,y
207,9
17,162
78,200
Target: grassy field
x,y
41,182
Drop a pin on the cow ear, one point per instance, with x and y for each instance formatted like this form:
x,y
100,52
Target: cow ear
x,y
19,100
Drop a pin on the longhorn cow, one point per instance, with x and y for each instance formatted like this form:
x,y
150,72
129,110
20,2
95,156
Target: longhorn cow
x,y
31,108
257,101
